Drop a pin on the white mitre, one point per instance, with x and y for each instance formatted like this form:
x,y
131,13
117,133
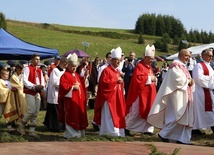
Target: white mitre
x,y
73,59
112,50
150,51
116,53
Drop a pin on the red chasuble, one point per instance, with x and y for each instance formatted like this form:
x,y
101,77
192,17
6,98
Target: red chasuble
x,y
72,111
138,88
111,91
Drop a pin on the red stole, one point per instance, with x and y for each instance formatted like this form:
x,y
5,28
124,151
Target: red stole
x,y
208,99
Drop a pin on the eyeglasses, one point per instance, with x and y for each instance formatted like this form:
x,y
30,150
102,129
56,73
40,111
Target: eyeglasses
x,y
109,57
122,55
210,56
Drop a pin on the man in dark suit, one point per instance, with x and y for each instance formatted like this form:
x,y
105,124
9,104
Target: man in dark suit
x,y
128,68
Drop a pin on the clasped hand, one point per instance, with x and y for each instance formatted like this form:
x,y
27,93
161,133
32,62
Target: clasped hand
x,y
191,82
153,78
39,87
120,80
76,86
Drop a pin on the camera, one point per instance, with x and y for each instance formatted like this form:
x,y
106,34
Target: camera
x,y
129,59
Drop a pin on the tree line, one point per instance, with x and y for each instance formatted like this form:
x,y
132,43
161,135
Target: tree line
x,y
170,29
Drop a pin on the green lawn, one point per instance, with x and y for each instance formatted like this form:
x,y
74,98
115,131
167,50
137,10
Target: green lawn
x,y
91,135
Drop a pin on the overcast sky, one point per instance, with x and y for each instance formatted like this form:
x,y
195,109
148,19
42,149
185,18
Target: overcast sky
x,y
122,14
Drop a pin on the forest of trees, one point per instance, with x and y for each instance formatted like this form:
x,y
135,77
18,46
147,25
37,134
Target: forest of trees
x,y
159,25
171,30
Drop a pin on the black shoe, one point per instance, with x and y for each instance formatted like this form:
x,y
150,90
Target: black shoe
x,y
63,127
179,142
212,128
14,125
127,133
55,130
95,126
148,133
163,139
197,132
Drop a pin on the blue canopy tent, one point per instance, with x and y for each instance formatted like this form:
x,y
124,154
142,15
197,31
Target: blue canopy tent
x,y
13,48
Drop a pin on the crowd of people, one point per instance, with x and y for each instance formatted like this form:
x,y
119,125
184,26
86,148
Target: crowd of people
x,y
131,95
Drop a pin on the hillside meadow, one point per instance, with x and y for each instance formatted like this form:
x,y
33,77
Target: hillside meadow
x,y
66,38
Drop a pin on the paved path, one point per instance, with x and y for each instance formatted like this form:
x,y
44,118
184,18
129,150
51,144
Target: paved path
x,y
98,148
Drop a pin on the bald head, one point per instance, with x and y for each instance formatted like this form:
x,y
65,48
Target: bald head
x,y
184,55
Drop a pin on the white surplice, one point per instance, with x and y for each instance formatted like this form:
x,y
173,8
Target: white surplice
x,y
171,111
203,119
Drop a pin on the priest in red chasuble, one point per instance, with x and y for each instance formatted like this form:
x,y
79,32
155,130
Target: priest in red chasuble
x,y
141,95
72,100
109,110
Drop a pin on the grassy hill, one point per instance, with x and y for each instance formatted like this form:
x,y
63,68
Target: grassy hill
x,y
66,38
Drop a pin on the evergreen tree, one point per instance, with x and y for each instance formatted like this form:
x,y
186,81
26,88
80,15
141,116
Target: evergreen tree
x,y
166,38
204,37
177,28
164,47
192,36
182,45
140,39
211,37
176,40
3,23
159,26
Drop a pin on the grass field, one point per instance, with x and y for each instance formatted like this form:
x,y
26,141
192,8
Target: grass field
x,y
91,135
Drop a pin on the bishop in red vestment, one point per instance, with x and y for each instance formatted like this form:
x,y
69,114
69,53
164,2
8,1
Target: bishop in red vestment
x,y
141,95
109,110
72,101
